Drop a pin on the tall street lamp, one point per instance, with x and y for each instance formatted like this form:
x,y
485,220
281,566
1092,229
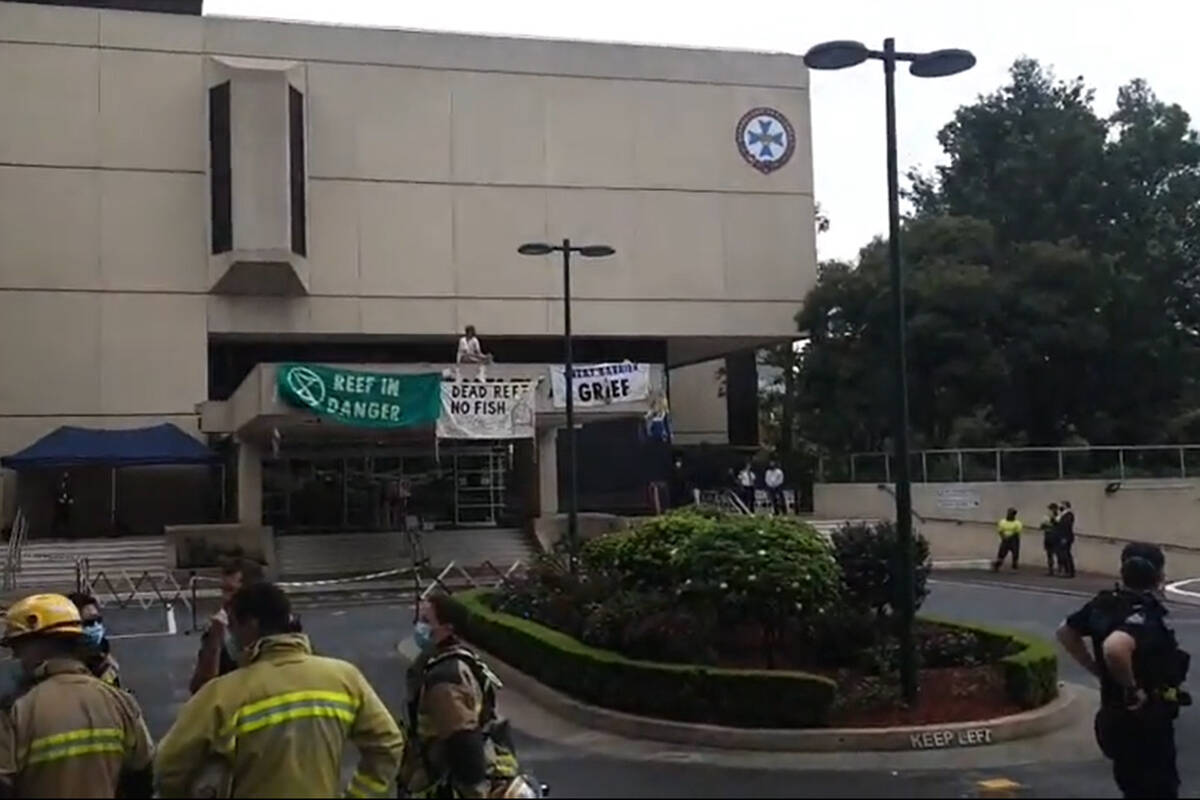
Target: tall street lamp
x,y
935,64
587,251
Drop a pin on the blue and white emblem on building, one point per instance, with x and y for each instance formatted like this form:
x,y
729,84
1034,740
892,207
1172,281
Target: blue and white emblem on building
x,y
765,139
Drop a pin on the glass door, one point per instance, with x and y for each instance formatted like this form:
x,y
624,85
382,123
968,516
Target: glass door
x,y
479,487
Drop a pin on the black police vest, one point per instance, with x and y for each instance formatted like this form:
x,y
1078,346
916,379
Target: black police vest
x,y
1159,665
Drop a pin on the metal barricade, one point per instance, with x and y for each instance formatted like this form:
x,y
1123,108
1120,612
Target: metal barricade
x,y
133,589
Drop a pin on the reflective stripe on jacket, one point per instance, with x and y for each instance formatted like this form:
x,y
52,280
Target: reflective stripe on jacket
x,y
454,692
72,735
280,725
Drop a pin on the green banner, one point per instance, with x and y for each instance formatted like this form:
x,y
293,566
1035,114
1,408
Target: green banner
x,y
362,399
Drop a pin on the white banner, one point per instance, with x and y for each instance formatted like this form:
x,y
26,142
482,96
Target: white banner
x,y
487,410
601,384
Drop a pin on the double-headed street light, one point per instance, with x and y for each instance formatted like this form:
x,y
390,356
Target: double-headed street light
x,y
935,64
587,251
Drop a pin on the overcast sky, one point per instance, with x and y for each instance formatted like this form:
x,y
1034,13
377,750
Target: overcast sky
x,y
1106,41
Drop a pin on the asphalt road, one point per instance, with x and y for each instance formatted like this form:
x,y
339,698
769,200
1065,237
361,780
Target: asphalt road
x,y
157,668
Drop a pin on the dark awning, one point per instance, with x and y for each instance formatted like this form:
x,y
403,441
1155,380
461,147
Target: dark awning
x,y
80,447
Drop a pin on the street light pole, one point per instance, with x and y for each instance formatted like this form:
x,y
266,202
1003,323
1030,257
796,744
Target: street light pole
x,y
939,63
904,522
569,379
587,251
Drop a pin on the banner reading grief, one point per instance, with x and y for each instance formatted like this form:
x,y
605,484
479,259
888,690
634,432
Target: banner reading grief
x,y
361,399
601,384
487,410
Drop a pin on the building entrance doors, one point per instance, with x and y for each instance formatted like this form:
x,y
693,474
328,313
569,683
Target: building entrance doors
x,y
480,490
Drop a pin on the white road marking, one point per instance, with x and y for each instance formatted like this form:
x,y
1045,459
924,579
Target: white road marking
x,y
1177,588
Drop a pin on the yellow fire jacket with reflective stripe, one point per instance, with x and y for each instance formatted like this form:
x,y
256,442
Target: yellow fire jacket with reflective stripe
x,y
280,724
71,735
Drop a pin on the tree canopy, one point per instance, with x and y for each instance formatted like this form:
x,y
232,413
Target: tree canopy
x,y
1052,283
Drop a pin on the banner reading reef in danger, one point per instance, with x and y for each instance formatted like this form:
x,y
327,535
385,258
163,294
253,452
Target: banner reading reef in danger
x,y
487,410
360,399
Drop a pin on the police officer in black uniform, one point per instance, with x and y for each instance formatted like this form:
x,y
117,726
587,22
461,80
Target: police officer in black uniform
x,y
1140,666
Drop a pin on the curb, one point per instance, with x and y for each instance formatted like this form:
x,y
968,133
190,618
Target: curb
x,y
1019,587
1057,714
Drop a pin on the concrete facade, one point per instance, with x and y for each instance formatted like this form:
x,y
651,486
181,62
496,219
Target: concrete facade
x,y
424,160
1108,514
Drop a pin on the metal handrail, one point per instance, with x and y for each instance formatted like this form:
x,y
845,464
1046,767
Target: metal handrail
x,y
1124,467
722,498
16,549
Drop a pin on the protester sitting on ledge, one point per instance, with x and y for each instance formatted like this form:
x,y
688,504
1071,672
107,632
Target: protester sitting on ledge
x,y
470,352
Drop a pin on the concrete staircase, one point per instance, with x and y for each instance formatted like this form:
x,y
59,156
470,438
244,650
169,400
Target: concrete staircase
x,y
49,564
345,554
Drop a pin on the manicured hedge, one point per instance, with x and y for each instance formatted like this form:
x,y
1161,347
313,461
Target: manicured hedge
x,y
741,698
1030,673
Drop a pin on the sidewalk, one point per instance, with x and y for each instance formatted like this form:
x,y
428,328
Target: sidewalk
x,y
1033,578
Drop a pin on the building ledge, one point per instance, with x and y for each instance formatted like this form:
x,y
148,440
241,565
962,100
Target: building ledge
x,y
255,411
260,272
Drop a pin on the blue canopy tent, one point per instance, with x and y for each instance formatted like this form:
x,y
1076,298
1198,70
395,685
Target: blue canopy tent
x,y
69,446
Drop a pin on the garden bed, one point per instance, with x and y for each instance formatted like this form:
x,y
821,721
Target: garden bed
x,y
756,698
751,622
949,694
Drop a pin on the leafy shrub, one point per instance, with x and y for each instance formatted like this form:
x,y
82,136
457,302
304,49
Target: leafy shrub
x,y
670,634
751,571
644,557
834,640
547,592
869,557
690,693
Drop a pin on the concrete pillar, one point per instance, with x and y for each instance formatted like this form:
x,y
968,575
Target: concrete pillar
x,y
547,467
249,484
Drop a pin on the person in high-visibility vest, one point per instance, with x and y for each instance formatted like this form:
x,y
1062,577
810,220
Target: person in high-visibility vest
x,y
69,734
278,725
1009,529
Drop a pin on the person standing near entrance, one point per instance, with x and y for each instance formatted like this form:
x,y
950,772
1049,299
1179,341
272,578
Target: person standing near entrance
x,y
745,482
1009,530
1066,539
1050,537
218,651
63,502
774,482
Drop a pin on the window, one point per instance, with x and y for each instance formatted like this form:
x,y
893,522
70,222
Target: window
x,y
220,168
298,178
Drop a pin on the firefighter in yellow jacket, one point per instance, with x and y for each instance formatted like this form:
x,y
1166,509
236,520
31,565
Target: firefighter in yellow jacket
x,y
69,734
460,746
278,725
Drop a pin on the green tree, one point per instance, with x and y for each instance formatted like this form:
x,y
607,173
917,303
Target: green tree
x,y
1052,290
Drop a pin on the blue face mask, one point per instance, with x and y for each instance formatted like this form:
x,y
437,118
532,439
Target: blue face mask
x,y
423,635
94,634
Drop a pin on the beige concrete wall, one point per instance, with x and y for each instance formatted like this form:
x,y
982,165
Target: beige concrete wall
x,y
423,179
698,411
431,157
1162,511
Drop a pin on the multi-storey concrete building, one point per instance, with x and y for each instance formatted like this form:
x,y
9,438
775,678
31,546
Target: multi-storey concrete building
x,y
187,201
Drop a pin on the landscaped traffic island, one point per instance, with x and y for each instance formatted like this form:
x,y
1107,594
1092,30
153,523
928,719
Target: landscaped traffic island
x,y
750,622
